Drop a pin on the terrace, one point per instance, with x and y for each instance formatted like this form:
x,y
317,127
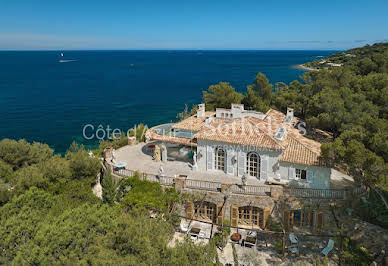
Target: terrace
x,y
139,158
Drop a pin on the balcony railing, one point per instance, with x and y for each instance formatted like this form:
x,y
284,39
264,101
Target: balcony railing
x,y
203,185
251,190
245,190
124,172
315,193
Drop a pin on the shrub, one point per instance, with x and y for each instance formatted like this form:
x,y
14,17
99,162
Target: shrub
x,y
279,246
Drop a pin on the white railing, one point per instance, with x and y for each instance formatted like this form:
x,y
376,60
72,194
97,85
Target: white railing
x,y
315,193
166,181
251,190
124,172
204,185
247,190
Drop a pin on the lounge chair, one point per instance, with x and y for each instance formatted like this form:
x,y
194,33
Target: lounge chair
x,y
294,249
328,248
184,228
201,234
293,239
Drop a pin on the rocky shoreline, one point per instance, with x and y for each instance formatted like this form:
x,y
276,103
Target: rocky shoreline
x,y
302,66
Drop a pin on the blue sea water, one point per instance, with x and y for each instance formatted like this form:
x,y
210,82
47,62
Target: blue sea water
x,y
42,99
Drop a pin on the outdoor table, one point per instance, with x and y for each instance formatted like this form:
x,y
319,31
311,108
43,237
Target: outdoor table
x,y
120,165
235,237
194,231
251,241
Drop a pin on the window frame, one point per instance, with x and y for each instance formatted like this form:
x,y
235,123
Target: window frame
x,y
218,162
249,166
301,174
250,215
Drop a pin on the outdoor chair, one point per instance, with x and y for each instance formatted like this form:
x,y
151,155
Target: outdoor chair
x,y
328,248
294,244
294,249
184,227
293,239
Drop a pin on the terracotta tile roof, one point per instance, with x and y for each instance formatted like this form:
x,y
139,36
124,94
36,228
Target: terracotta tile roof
x,y
238,131
296,152
255,132
193,123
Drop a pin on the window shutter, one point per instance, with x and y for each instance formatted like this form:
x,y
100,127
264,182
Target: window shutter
x,y
291,173
264,167
241,163
209,151
291,220
266,214
189,209
319,223
234,215
220,213
301,218
310,175
229,163
286,220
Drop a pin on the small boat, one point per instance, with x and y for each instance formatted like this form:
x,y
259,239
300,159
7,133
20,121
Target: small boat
x,y
65,61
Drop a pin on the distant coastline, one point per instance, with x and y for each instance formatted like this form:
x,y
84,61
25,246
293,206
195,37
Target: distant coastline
x,y
303,67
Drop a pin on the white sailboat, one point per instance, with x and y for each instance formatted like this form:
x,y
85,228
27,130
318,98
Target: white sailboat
x,y
65,61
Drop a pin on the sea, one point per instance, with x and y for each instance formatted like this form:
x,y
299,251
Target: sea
x,y
50,98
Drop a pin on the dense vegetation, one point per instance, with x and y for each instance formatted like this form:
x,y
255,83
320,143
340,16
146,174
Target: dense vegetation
x,y
361,55
350,101
49,215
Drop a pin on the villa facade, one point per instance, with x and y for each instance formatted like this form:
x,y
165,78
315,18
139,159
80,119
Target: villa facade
x,y
270,147
229,149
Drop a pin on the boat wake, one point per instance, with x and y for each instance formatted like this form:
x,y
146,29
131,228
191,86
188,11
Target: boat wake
x,y
66,61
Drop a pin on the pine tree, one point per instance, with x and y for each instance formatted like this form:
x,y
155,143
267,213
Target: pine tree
x,y
108,188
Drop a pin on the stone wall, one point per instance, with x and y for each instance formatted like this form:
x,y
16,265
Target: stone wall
x,y
276,203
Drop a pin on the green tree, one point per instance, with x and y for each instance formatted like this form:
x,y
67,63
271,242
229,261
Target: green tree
x,y
21,153
5,172
81,165
109,188
252,101
186,112
221,95
139,131
262,87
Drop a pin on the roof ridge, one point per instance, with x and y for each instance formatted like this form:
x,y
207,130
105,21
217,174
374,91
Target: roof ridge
x,y
267,134
305,146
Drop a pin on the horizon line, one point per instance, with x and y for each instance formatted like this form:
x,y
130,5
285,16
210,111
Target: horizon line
x,y
171,49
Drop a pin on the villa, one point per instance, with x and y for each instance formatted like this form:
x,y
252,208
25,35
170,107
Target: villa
x,y
244,166
268,147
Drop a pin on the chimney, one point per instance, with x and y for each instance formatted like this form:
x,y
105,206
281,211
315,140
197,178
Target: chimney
x,y
201,110
289,115
290,112
237,110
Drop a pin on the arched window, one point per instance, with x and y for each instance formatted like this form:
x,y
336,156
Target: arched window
x,y
253,165
220,159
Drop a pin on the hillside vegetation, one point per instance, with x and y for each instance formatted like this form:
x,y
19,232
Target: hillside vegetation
x,y
49,215
351,56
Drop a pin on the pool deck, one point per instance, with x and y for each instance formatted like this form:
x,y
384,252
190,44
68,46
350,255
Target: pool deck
x,y
137,159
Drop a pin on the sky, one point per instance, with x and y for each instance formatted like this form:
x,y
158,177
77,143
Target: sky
x,y
186,24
